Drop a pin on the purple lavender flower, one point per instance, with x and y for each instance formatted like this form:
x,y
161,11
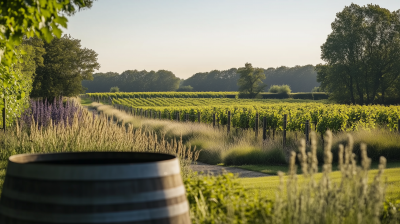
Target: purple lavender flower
x,y
44,112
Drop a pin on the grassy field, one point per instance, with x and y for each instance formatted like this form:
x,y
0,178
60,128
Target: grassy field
x,y
267,186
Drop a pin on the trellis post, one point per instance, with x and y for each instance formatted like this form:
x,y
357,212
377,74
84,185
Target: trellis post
x,y
307,131
229,121
264,128
213,120
256,124
4,114
284,129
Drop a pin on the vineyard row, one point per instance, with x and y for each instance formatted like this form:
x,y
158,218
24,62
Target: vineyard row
x,y
324,116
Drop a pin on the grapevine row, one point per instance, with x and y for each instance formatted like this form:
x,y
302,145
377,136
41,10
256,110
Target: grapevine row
x,y
334,117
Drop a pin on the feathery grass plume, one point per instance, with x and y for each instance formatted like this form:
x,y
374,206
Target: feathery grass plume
x,y
83,132
353,200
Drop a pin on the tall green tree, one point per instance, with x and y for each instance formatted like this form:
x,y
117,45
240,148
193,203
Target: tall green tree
x,y
27,18
362,55
250,82
66,64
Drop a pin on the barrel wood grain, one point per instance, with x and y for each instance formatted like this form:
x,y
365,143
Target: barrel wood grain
x,y
70,188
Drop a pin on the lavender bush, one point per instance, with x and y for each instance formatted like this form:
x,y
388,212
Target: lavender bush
x,y
44,113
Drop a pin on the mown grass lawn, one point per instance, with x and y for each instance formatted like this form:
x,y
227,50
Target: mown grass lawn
x,y
267,186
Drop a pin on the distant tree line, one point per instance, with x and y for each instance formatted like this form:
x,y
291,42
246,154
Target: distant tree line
x,y
299,78
133,81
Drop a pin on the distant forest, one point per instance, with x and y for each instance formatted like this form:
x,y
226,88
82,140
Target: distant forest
x,y
299,78
133,81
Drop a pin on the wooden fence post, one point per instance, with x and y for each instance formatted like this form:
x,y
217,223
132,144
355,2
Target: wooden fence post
x,y
398,125
264,128
284,129
177,116
159,115
198,116
229,121
4,114
213,120
307,130
256,124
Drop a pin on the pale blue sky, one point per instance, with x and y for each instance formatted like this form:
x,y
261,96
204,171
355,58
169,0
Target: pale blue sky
x,y
190,36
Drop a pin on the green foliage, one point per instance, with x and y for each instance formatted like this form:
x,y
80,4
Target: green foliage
x,y
334,117
134,81
300,78
185,89
221,199
19,19
282,89
66,64
316,89
250,81
362,56
114,89
243,155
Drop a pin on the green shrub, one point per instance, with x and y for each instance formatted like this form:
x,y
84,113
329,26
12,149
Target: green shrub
x,y
114,89
246,155
280,89
316,89
185,89
221,199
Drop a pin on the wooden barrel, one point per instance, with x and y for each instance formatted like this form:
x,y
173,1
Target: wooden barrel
x,y
93,187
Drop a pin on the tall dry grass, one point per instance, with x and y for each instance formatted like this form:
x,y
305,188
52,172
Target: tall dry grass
x,y
91,133
216,145
241,147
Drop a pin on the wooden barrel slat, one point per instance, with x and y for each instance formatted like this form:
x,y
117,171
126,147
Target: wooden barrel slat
x,y
69,188
91,188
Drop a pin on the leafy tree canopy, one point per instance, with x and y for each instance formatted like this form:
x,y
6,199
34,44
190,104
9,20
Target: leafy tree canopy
x,y
362,56
250,81
114,89
66,64
27,18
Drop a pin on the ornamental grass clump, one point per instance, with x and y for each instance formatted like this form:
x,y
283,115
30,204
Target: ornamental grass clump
x,y
85,133
318,199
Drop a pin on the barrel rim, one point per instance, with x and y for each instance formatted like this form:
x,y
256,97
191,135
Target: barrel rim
x,y
37,158
54,170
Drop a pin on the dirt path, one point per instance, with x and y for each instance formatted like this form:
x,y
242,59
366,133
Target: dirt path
x,y
214,169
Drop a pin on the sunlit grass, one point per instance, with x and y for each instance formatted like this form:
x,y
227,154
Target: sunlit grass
x,y
268,186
